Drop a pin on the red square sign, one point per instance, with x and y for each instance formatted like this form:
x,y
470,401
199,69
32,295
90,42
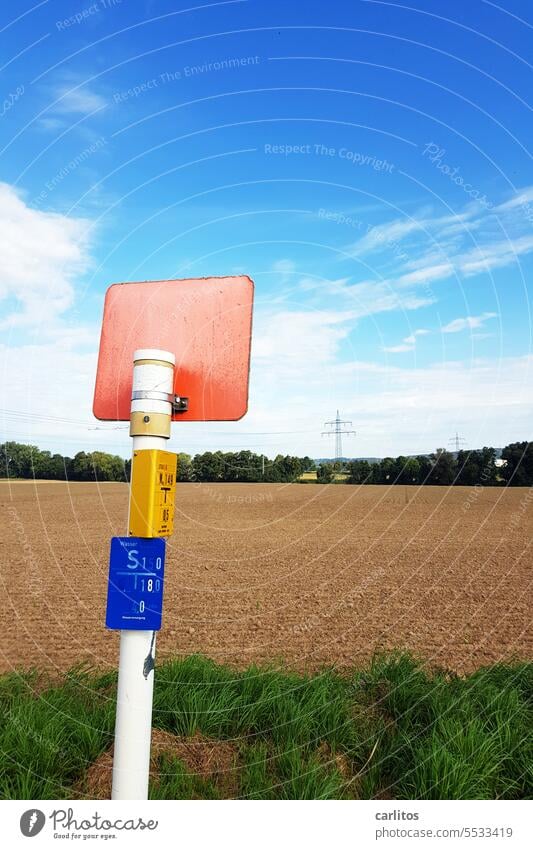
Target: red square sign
x,y
206,323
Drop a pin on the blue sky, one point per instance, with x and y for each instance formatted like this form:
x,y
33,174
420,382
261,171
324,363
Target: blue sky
x,y
366,163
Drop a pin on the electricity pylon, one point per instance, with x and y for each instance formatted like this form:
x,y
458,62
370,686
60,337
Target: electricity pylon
x,y
336,427
457,442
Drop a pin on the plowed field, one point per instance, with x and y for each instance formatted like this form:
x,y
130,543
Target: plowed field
x,y
307,574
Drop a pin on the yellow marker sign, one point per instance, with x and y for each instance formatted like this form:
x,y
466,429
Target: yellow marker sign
x,y
153,486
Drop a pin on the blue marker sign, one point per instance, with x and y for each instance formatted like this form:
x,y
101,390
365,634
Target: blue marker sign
x,y
135,587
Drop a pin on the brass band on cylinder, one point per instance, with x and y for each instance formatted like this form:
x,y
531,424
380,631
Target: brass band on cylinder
x,y
150,424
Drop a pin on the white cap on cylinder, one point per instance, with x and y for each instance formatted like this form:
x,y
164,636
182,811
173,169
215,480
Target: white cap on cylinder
x,y
154,354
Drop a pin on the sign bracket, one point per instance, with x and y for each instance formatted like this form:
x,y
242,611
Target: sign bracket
x,y
179,404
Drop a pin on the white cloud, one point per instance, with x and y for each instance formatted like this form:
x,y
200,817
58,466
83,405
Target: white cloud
x,y
422,225
412,338
70,101
309,284
293,337
494,255
363,298
51,123
370,297
41,255
471,322
429,247
427,274
399,349
284,267
73,99
407,344
383,234
521,198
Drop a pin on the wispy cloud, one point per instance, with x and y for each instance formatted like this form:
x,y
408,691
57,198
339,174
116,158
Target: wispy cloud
x,y
521,198
427,274
78,101
493,255
407,344
71,101
383,235
470,322
428,248
367,297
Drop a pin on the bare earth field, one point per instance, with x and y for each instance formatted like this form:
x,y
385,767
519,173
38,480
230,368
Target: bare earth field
x,y
307,574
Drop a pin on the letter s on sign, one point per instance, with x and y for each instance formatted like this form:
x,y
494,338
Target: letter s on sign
x,y
132,559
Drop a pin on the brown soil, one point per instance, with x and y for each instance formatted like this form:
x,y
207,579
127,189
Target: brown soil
x,y
208,759
306,574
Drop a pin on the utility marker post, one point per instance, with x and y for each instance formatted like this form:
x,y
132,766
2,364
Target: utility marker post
x,y
200,329
151,411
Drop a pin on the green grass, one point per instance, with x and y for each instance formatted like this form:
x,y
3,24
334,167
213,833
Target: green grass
x,y
392,730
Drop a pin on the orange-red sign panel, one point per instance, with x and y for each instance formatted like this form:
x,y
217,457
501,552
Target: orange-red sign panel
x,y
206,323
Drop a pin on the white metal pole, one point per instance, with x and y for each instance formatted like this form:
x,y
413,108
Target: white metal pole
x,y
153,374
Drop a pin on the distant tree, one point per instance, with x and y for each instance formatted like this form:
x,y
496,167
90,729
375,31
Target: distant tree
x,y
385,471
467,468
59,467
98,466
325,473
184,467
288,468
518,467
16,460
400,473
411,471
208,466
81,468
245,466
425,467
359,471
107,467
271,471
41,464
473,467
488,467
443,468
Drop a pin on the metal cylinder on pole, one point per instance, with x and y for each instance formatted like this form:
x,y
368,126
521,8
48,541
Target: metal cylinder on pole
x,y
151,415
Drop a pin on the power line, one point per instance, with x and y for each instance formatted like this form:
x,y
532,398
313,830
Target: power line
x,y
19,415
337,427
33,416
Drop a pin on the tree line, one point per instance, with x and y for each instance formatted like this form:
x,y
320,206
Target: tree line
x,y
442,468
242,466
18,460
